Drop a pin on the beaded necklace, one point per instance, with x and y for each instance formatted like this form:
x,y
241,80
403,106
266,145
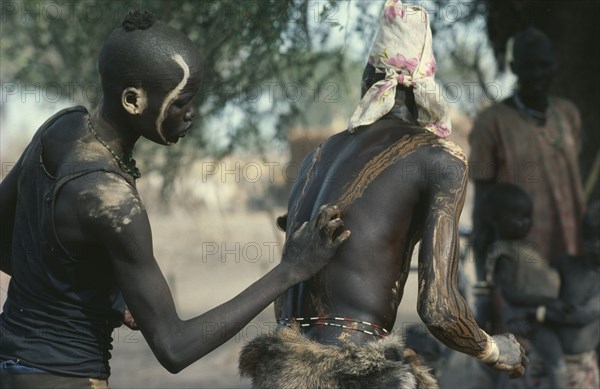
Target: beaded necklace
x,y
541,116
135,172
321,321
538,115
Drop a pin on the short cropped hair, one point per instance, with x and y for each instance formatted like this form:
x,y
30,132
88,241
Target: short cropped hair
x,y
527,39
140,53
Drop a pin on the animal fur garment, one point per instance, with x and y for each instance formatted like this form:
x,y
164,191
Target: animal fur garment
x,y
288,360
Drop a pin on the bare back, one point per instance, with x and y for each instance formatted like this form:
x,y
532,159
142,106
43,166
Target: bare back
x,y
380,178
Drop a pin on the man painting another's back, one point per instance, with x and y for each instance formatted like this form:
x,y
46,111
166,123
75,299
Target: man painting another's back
x,y
76,238
396,181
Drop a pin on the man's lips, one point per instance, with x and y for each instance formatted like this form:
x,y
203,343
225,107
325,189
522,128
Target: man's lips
x,y
175,138
185,131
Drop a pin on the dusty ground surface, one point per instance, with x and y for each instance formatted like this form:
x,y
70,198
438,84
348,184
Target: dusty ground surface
x,y
201,278
208,257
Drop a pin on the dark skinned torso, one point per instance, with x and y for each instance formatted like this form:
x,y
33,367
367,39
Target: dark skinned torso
x,y
100,217
390,206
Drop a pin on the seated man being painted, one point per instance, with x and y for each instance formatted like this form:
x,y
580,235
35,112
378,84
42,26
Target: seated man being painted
x,y
397,182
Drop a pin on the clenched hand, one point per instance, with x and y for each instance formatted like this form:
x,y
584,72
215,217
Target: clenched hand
x,y
511,355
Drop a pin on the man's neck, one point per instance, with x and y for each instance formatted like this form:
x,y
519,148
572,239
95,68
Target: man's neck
x,y
538,103
534,107
114,135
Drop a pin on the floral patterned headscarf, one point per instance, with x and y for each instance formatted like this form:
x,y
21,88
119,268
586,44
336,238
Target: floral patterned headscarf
x,y
402,50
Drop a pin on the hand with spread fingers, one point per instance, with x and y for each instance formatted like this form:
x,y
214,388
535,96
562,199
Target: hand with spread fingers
x,y
311,247
511,356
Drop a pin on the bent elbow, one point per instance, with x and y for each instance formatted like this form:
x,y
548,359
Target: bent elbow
x,y
169,361
172,368
432,317
167,355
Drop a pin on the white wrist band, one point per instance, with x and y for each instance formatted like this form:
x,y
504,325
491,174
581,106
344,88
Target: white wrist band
x,y
491,354
540,313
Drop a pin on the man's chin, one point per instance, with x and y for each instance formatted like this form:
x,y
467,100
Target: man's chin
x,y
175,138
164,142
535,90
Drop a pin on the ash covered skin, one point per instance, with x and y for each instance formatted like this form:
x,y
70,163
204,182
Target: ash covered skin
x,y
396,295
112,203
89,151
172,96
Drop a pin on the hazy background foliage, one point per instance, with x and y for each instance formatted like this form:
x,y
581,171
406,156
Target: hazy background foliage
x,y
275,65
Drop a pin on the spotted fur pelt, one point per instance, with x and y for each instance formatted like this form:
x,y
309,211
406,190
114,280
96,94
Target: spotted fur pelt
x,y
288,360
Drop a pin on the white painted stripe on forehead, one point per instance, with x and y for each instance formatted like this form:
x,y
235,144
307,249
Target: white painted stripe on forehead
x,y
173,94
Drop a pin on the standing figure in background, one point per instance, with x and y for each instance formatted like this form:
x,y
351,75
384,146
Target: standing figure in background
x,y
397,181
526,288
532,140
579,330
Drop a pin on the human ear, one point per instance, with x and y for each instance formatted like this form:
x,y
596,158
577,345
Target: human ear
x,y
134,100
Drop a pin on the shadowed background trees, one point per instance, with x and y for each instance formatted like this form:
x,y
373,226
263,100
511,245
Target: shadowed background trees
x,y
261,67
269,62
574,29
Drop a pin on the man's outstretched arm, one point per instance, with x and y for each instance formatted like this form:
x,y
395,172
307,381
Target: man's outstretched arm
x,y
440,305
178,343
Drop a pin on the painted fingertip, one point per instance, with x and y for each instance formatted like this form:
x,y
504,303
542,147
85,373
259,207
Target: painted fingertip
x,y
337,221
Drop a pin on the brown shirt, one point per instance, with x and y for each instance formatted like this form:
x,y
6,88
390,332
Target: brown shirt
x,y
508,146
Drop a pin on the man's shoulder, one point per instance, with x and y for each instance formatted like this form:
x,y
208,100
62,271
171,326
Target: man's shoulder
x,y
425,144
99,203
563,104
496,108
105,185
432,149
497,111
451,149
71,113
442,163
489,122
560,100
105,196
426,149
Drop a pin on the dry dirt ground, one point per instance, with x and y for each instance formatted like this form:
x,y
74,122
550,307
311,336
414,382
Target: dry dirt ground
x,y
208,259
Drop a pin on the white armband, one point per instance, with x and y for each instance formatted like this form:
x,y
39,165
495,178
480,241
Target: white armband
x,y
540,314
491,353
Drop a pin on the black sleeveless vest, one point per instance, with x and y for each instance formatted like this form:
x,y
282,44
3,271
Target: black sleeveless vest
x,y
61,309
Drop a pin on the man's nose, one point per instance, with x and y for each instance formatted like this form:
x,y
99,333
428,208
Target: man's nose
x,y
543,70
190,114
